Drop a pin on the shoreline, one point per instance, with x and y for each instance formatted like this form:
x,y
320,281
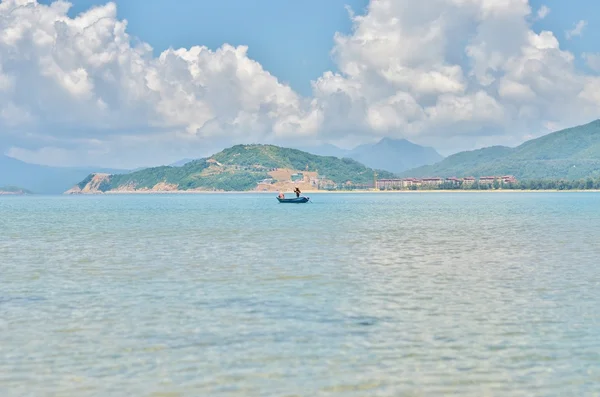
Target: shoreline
x,y
306,192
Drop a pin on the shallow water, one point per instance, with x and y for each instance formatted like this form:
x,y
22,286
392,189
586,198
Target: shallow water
x,y
350,295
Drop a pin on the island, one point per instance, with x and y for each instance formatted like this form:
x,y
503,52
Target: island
x,y
563,160
14,190
257,167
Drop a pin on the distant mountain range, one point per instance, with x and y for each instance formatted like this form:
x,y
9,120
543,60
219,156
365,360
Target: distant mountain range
x,y
326,150
13,190
179,163
573,153
43,179
393,155
240,168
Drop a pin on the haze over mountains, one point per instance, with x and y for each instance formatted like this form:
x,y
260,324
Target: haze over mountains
x,y
43,179
388,155
394,155
239,168
573,153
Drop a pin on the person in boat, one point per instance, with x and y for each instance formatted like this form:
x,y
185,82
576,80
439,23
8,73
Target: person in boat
x,y
297,191
281,195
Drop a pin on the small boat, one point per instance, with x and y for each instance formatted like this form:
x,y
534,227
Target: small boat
x,y
296,200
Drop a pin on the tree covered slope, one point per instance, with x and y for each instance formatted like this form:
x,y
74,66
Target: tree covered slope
x,y
573,153
238,168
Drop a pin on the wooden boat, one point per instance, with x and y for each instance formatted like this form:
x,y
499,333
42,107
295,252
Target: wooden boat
x,y
296,200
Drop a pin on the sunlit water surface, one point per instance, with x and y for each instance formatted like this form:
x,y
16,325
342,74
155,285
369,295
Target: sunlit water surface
x,y
350,295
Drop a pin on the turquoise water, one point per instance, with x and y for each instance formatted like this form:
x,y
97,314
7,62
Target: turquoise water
x,y
350,295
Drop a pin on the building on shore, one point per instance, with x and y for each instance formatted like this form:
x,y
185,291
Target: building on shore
x,y
388,184
487,180
452,181
490,180
435,182
432,181
508,179
468,181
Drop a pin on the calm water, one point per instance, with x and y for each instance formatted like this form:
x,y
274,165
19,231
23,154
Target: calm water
x,y
351,295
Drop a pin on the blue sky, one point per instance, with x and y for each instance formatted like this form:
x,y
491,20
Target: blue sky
x,y
293,39
77,89
564,15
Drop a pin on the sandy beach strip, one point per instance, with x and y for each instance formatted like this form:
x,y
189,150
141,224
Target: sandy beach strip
x,y
306,192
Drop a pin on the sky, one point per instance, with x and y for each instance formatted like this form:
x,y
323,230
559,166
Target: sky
x,y
130,84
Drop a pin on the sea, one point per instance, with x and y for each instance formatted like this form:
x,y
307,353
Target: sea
x,y
370,294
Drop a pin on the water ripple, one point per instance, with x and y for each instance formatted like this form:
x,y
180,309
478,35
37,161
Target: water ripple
x,y
354,295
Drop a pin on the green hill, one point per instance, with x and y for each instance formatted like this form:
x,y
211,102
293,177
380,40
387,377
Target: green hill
x,y
238,168
573,153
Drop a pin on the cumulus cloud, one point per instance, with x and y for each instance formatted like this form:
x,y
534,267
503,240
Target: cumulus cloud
x,y
592,60
577,30
455,74
543,12
460,71
76,79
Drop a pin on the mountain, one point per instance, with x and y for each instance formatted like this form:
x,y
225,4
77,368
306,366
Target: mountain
x,y
13,190
179,163
239,168
572,153
42,179
326,149
393,155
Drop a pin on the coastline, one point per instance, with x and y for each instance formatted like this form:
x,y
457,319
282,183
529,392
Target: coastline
x,y
306,192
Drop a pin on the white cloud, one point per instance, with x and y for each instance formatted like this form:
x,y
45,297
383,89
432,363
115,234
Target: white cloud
x,y
84,77
543,12
449,73
592,60
577,30
438,71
